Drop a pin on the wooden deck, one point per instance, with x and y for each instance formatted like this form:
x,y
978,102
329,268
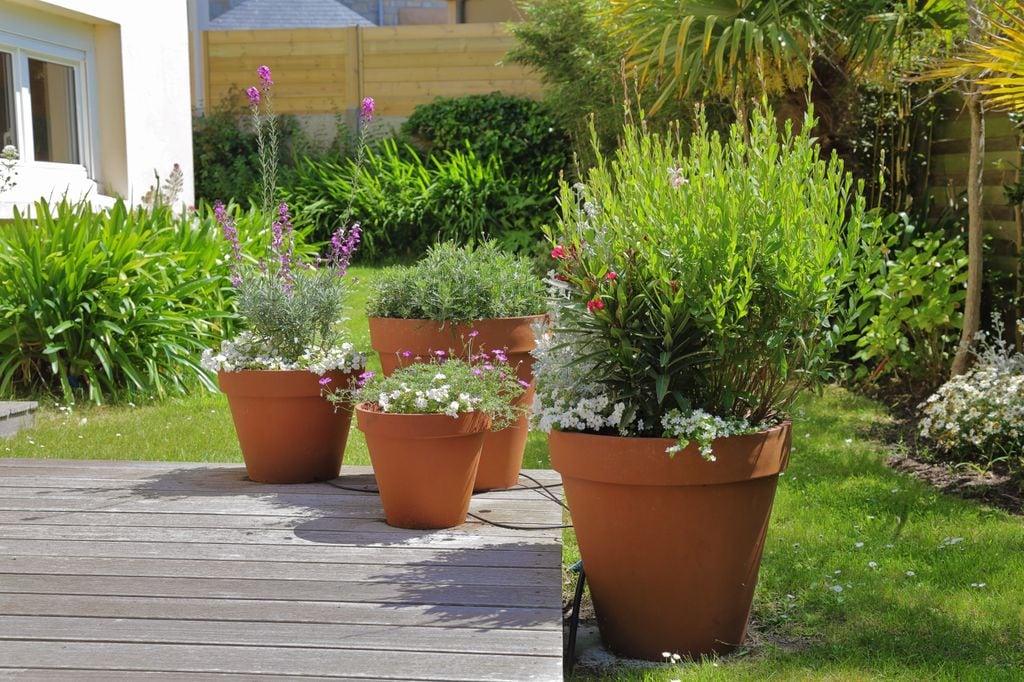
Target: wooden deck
x,y
138,570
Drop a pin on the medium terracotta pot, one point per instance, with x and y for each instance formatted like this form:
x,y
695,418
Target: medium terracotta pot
x,y
502,456
288,431
425,464
671,546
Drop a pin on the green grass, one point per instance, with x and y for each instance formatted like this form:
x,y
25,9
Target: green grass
x,y
934,625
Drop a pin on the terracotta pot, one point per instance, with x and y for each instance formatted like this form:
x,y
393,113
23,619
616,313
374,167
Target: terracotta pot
x,y
502,456
425,464
671,546
288,432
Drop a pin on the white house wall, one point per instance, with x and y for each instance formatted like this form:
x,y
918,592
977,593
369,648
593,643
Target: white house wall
x,y
137,88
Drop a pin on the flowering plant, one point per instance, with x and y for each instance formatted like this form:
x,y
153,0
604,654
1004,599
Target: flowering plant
x,y
292,306
979,416
444,386
695,292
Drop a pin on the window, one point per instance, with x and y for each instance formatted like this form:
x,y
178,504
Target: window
x,y
41,110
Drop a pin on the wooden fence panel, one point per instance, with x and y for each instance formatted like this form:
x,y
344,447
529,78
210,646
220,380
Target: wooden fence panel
x,y
327,71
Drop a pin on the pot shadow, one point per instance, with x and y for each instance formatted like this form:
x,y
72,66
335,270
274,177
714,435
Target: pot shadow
x,y
473,576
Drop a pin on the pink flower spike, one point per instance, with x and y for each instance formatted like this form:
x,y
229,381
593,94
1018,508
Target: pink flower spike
x,y
325,381
254,96
366,109
264,73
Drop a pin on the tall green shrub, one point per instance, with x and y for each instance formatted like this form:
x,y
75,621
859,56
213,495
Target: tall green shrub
x,y
521,132
97,303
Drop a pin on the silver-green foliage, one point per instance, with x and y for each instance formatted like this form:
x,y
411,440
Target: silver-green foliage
x,y
296,315
729,256
97,303
459,283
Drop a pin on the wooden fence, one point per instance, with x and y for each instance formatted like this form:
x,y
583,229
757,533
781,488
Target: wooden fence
x,y
948,179
325,71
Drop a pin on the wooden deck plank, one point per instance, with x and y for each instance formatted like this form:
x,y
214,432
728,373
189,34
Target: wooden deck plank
x,y
399,665
240,570
300,635
423,615
124,570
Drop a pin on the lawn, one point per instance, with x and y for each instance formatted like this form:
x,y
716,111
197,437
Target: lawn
x,y
867,574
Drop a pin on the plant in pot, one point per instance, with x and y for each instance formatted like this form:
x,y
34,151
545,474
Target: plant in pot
x,y
425,426
276,371
454,299
696,286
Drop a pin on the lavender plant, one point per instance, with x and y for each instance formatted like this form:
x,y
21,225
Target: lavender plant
x,y
292,307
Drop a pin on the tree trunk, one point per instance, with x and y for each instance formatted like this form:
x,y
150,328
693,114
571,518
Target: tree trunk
x,y
975,236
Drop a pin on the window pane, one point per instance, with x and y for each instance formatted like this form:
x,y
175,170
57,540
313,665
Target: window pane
x,y
6,101
54,118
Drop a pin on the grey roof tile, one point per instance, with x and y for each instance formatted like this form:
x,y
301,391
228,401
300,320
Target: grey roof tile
x,y
262,14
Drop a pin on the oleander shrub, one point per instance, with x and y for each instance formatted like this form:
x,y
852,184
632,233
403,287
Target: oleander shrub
x,y
405,202
521,132
100,304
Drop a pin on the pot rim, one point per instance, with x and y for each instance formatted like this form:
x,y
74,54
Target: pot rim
x,y
643,461
460,323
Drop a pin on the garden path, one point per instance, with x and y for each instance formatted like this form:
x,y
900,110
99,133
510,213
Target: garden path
x,y
122,570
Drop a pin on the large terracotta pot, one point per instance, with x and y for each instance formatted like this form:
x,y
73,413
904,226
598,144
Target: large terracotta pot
x,y
288,431
671,546
425,464
503,450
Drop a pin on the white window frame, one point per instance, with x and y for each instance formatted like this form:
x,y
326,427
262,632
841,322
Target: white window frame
x,y
22,48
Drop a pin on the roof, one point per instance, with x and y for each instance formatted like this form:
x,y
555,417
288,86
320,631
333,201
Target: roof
x,y
259,14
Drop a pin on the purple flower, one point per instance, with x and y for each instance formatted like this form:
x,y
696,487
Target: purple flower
x,y
477,371
264,73
440,353
473,334
406,353
500,356
367,375
524,384
281,242
325,381
230,232
343,244
367,109
254,96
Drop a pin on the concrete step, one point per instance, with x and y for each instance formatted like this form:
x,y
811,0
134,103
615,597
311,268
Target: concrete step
x,y
15,415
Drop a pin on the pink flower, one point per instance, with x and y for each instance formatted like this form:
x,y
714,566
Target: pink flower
x,y
366,109
325,381
559,252
473,334
524,384
254,96
440,353
595,304
611,275
477,371
406,353
264,73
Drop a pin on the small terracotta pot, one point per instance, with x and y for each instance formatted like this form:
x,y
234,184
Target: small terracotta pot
x,y
502,456
288,431
671,546
425,464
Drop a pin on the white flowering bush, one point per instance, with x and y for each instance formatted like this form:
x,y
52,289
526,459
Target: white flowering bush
x,y
979,416
250,352
443,386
